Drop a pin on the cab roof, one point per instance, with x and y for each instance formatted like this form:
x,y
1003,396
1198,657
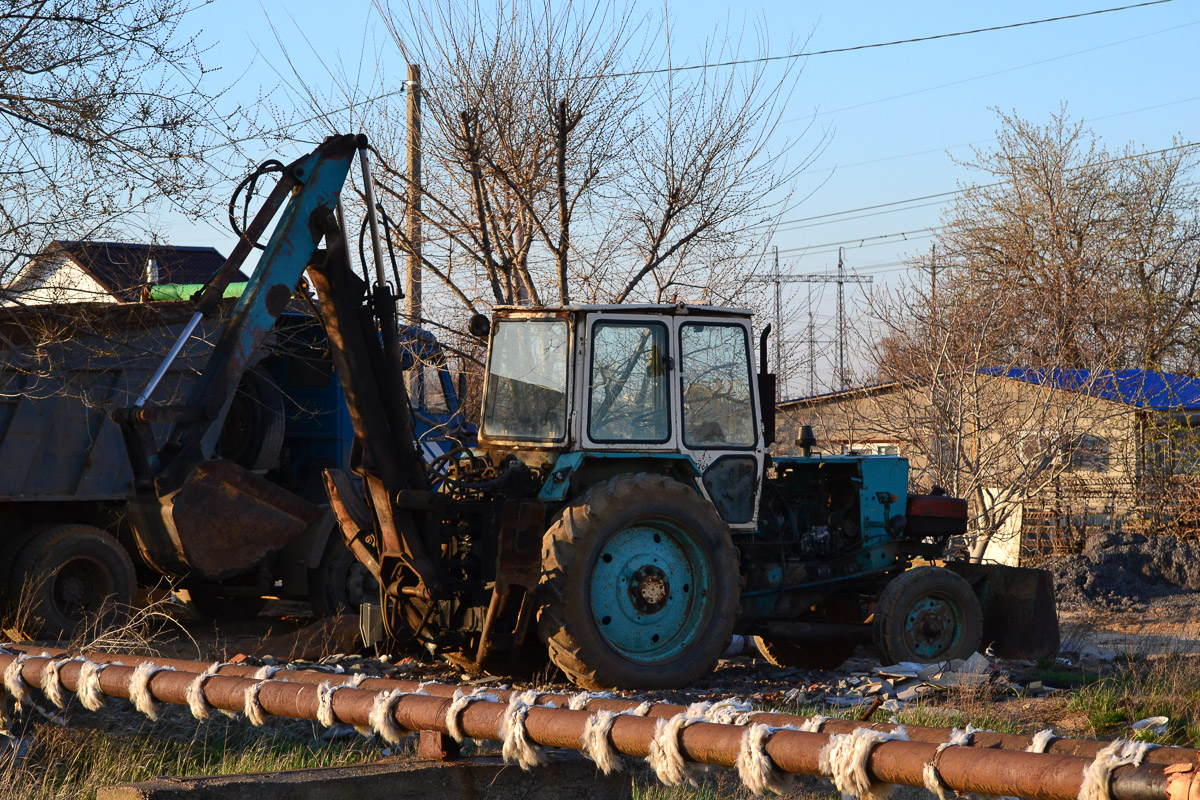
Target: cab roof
x,y
676,309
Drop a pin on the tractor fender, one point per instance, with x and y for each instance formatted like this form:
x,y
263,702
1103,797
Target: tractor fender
x,y
574,472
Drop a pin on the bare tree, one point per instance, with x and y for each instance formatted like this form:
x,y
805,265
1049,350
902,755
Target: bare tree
x,y
1104,246
562,164
104,115
979,421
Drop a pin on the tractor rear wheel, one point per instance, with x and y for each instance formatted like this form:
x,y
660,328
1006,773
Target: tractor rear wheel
x,y
639,585
927,614
826,655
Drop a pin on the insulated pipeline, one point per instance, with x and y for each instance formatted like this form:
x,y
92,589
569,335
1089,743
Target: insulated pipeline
x,y
992,740
962,769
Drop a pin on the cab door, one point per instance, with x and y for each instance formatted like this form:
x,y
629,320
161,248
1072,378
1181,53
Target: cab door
x,y
719,425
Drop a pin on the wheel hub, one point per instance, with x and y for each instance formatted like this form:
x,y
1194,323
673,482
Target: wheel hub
x,y
932,627
649,589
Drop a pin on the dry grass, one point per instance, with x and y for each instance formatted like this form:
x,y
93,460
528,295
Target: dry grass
x,y
117,746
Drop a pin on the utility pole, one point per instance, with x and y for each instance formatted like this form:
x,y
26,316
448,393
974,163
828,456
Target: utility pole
x,y
413,296
812,349
778,328
933,277
841,322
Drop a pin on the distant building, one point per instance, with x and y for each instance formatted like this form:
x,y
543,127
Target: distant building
x,y
1129,458
107,272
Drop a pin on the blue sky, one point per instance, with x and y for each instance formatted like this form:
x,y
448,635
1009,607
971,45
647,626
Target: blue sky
x,y
895,115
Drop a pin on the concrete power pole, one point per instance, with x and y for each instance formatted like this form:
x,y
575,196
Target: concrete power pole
x,y
778,329
413,295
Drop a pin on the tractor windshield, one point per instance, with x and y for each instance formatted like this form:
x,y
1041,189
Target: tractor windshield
x,y
527,381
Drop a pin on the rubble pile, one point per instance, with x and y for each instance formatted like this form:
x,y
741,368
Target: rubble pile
x,y
895,686
1122,571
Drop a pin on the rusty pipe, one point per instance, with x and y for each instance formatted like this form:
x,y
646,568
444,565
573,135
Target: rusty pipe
x,y
962,769
990,740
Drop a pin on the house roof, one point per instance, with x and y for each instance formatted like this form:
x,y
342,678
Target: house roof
x,y
1152,391
120,267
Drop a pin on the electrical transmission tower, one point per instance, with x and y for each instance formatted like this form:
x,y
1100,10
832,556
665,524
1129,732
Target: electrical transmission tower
x,y
841,279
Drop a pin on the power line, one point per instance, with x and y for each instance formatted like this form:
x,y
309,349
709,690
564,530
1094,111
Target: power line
x,y
893,43
951,193
767,59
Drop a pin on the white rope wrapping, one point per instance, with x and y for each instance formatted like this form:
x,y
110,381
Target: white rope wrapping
x,y
1041,741
518,746
596,744
845,760
730,711
666,757
382,717
755,767
325,692
813,724
1097,776
139,688
641,710
929,773
52,685
88,690
14,681
196,699
459,705
253,708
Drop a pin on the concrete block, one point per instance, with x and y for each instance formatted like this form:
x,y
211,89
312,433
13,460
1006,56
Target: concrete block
x,y
567,775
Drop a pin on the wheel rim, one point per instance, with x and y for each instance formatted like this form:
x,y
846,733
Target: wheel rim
x,y
650,589
79,588
933,626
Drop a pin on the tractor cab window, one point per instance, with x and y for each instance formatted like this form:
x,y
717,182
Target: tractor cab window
x,y
627,392
527,381
715,371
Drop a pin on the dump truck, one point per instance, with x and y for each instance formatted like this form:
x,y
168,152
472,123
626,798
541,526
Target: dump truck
x,y
64,472
623,514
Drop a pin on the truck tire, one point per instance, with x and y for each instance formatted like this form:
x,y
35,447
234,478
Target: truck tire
x,y
826,655
252,434
80,577
925,615
639,585
340,583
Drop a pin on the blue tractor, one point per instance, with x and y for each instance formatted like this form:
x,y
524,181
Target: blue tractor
x,y
621,514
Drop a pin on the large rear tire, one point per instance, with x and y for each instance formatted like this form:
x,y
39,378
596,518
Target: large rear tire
x,y
71,578
925,615
639,585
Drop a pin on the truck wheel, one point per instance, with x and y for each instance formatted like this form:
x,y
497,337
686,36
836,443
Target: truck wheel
x,y
252,435
340,582
78,575
826,655
927,614
639,585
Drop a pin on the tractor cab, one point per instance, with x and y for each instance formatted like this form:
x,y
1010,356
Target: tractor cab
x,y
669,384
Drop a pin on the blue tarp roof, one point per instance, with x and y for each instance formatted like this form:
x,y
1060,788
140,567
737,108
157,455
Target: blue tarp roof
x,y
1153,391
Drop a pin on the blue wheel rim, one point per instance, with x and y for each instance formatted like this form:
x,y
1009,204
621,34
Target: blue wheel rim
x,y
649,591
933,626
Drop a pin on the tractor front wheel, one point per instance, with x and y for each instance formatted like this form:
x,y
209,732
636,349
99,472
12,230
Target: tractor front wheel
x,y
925,615
639,585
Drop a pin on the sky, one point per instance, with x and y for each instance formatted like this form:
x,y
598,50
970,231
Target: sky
x,y
894,117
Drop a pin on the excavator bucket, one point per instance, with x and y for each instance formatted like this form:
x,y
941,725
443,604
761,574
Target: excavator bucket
x,y
1019,615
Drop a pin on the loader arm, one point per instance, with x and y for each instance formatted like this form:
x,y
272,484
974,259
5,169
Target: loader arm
x,y
212,520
